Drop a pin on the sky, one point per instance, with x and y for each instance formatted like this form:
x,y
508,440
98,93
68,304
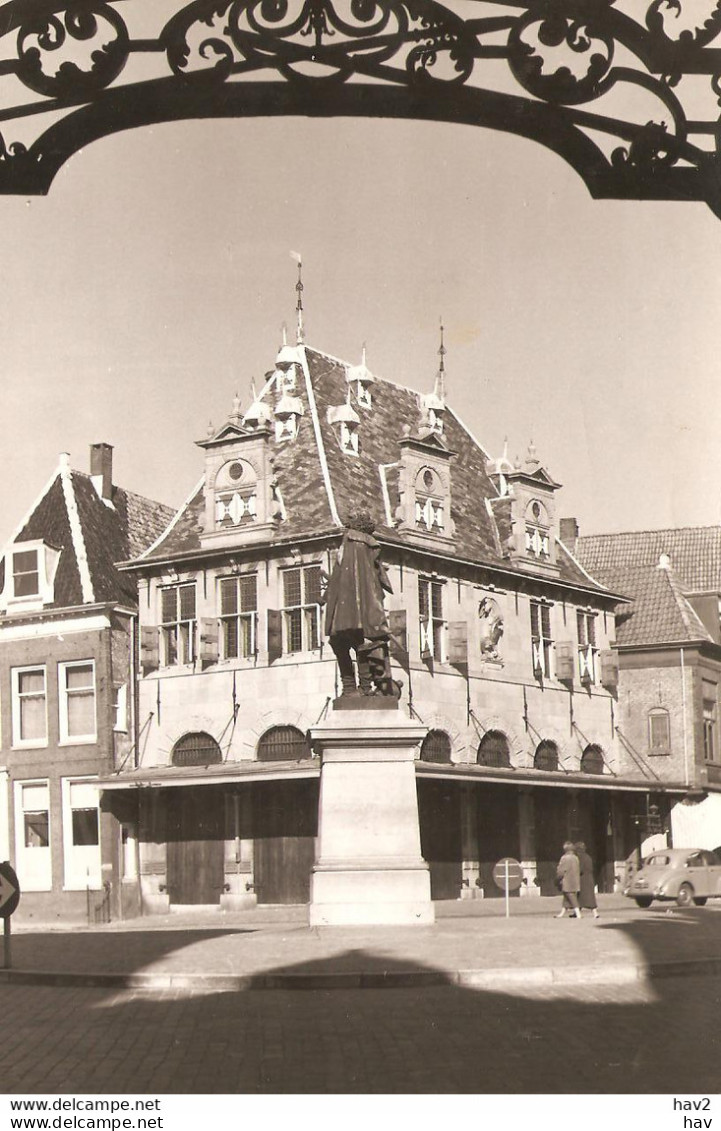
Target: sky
x,y
152,282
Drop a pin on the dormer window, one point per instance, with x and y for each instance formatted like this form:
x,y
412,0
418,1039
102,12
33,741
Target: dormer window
x,y
285,379
30,569
429,501
537,536
360,378
288,412
236,495
347,422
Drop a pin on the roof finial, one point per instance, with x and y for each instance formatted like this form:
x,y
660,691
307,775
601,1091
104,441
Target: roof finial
x,y
235,411
253,391
363,354
440,389
300,331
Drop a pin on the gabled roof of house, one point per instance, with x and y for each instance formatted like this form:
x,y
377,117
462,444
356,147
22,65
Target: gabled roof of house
x,y
694,553
320,483
71,517
659,612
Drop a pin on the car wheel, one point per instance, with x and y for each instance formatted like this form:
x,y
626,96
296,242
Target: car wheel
x,y
685,896
700,900
643,901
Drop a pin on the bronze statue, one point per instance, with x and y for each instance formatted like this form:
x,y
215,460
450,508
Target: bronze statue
x,y
355,619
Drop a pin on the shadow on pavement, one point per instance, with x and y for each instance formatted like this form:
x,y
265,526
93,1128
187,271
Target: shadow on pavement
x,y
639,1037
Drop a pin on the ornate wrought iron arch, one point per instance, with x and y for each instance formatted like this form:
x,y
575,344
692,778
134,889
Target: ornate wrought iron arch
x,y
626,91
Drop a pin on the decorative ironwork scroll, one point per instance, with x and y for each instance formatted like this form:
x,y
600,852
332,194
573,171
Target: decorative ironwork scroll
x,y
627,91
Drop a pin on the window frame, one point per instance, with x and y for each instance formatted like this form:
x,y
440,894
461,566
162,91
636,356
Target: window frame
x,y
541,644
80,858
587,645
433,629
709,721
310,612
64,694
656,750
35,872
17,698
185,628
240,618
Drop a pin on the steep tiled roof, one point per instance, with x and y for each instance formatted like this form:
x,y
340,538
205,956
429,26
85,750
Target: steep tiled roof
x,y
694,553
107,535
659,613
305,466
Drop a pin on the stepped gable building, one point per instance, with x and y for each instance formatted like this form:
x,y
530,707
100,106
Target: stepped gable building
x,y
503,643
669,647
66,627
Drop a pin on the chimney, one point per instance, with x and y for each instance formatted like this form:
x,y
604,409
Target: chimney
x,y
568,533
101,469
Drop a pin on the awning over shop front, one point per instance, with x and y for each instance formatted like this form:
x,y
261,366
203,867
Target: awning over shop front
x,y
165,777
557,779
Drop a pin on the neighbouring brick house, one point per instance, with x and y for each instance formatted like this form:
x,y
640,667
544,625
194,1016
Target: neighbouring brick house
x,y
669,647
67,621
505,650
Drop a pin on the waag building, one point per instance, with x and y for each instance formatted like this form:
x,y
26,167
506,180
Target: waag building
x,y
503,644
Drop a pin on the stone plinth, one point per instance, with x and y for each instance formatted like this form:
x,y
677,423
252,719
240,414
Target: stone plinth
x,y
369,869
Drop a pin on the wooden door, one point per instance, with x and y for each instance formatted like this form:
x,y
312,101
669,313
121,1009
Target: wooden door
x,y
551,824
439,812
196,843
285,825
498,834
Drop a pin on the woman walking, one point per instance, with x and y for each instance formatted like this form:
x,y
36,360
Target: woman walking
x,y
587,892
568,873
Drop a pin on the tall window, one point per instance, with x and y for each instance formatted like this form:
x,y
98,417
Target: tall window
x,y
301,608
81,834
30,724
710,709
659,731
541,641
238,616
77,701
32,835
586,625
178,623
26,573
432,624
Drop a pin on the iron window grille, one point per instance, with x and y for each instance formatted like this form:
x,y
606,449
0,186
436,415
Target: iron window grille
x,y
592,759
178,625
239,616
659,731
494,750
301,608
436,747
546,756
283,744
432,624
196,749
586,626
541,640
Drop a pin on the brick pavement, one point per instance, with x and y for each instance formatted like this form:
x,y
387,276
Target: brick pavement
x,y
624,941
646,1038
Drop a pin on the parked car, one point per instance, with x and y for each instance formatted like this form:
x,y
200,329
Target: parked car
x,y
688,875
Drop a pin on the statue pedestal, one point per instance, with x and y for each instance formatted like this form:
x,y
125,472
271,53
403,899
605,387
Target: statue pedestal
x,y
369,869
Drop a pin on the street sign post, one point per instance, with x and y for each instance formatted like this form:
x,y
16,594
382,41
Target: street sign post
x,y
508,875
9,899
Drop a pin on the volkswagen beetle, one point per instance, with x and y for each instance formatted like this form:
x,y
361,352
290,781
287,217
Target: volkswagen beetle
x,y
688,875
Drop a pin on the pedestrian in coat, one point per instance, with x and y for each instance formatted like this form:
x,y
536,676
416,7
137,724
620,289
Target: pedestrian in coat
x,y
568,873
587,893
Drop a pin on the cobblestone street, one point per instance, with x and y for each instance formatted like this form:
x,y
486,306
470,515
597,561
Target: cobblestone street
x,y
657,1037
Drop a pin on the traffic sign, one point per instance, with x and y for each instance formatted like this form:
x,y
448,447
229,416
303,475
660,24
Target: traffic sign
x,y
9,890
507,874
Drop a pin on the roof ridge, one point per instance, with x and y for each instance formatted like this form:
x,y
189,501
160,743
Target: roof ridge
x,y
656,530
76,533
